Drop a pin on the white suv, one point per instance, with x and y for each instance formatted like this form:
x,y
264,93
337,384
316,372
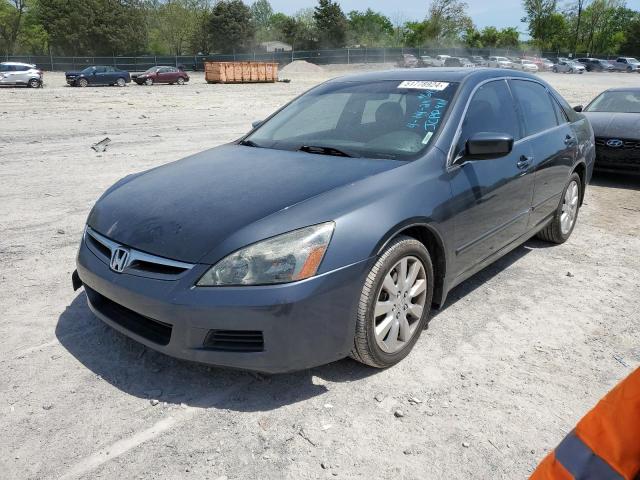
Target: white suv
x,y
500,62
15,73
439,60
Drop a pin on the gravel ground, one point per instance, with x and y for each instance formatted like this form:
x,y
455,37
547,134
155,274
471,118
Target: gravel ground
x,y
519,353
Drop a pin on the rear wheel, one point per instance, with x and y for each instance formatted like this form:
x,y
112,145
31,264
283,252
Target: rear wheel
x,y
33,83
83,82
121,82
394,304
148,82
564,220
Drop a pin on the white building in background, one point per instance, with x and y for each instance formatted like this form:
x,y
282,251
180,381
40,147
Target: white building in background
x,y
276,46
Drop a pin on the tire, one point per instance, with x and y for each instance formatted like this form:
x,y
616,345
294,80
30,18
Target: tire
x,y
121,82
555,231
83,82
389,348
555,70
180,81
629,69
33,83
148,82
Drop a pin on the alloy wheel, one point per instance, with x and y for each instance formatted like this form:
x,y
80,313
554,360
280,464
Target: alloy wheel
x,y
569,207
121,82
400,304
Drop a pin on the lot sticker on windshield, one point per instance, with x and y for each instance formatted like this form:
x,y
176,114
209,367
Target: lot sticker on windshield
x,y
428,114
427,137
422,85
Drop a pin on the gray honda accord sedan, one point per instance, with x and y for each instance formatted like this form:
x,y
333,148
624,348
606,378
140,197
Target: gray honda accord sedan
x,y
335,225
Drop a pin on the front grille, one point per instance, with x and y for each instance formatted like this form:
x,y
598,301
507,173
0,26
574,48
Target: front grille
x,y
234,340
152,330
626,144
140,263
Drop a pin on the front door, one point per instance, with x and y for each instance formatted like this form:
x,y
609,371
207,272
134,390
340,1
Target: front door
x,y
493,195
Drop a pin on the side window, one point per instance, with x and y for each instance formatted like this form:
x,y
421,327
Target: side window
x,y
535,105
560,115
109,69
99,70
491,109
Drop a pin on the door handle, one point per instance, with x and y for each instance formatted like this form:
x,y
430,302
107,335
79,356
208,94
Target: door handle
x,y
524,162
569,140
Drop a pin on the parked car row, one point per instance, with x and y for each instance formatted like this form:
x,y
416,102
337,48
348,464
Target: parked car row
x,y
527,64
109,75
16,73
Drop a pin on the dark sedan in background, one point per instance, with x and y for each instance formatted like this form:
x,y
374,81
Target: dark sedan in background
x,y
596,65
98,75
615,118
162,74
333,227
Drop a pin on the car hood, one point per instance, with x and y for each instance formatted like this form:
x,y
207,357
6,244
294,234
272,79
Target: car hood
x,y
615,125
72,74
182,210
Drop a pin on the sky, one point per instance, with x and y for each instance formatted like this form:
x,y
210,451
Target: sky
x,y
499,13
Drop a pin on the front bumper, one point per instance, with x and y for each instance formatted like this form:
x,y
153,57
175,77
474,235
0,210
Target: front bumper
x,y
301,325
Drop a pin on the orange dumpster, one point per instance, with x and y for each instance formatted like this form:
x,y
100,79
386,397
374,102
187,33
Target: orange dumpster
x,y
240,72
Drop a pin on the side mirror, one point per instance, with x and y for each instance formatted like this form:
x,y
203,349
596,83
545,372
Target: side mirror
x,y
257,123
487,145
578,108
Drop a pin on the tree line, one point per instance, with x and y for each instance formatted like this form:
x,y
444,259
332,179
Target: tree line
x,y
178,27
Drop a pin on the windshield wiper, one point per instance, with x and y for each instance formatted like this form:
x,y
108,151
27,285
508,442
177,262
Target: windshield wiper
x,y
336,152
249,143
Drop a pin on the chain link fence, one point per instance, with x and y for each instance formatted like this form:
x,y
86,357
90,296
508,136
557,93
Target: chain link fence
x,y
320,57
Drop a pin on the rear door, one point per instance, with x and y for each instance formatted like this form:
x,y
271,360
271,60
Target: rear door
x,y
553,144
21,74
494,195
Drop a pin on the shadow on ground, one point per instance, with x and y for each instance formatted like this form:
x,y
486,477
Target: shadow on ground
x,y
616,180
142,372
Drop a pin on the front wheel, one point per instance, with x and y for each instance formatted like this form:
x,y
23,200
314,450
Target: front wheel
x,y
180,81
555,70
394,304
33,83
564,220
83,82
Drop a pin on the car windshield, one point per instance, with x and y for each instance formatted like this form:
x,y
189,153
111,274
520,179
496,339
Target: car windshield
x,y
381,119
618,102
632,60
151,70
88,70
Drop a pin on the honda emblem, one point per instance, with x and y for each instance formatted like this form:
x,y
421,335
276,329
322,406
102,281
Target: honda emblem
x,y
119,259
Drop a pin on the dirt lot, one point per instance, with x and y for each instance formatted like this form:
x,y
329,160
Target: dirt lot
x,y
504,371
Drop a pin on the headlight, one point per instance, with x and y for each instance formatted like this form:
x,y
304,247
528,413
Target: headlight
x,y
286,258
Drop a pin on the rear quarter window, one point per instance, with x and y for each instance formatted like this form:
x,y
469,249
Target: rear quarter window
x,y
536,106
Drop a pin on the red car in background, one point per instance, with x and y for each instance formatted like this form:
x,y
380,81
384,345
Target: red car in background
x,y
161,74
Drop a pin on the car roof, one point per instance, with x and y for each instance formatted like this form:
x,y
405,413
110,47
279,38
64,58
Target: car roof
x,y
431,74
18,63
623,89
